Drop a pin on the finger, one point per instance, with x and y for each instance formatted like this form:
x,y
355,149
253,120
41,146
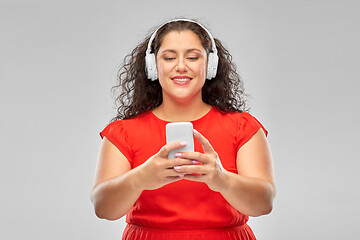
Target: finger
x,y
173,179
179,162
189,169
171,173
166,149
193,156
195,177
204,142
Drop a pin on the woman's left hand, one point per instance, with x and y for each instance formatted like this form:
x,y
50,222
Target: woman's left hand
x,y
209,171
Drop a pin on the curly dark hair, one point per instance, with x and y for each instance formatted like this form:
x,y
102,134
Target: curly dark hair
x,y
137,94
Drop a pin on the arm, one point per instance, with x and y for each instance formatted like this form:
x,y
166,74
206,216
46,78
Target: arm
x,y
117,186
114,183
252,190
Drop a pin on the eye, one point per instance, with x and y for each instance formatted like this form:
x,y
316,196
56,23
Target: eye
x,y
193,58
169,58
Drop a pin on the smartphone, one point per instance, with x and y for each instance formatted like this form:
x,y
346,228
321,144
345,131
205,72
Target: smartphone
x,y
180,131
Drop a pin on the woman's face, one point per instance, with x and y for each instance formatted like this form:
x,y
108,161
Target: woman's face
x,y
181,63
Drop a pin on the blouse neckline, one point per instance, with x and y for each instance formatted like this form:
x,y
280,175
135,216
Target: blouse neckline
x,y
193,121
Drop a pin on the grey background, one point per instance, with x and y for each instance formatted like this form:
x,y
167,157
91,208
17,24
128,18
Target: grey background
x,y
299,61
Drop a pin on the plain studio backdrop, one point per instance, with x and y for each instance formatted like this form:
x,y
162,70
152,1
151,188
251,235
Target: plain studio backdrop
x,y
300,64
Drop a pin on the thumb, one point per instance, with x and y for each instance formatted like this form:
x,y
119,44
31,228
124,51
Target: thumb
x,y
166,149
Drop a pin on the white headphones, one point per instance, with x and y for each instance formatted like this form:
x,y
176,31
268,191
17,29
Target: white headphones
x,y
150,61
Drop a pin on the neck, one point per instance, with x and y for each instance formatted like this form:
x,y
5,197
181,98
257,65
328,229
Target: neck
x,y
181,112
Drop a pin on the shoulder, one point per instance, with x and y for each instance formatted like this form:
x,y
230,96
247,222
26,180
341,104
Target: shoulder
x,y
131,122
125,126
236,117
247,120
242,122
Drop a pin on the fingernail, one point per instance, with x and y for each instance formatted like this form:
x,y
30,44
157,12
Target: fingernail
x,y
181,175
177,167
178,154
195,162
183,143
195,131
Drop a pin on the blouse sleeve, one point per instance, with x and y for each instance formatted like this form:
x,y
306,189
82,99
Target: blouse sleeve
x,y
247,127
116,133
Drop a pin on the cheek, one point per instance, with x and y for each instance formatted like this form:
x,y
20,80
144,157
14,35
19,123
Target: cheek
x,y
162,73
162,69
159,68
202,69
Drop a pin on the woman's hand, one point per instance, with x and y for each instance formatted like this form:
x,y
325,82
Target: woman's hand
x,y
158,170
210,171
252,190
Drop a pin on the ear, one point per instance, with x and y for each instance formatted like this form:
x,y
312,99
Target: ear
x,y
150,67
213,60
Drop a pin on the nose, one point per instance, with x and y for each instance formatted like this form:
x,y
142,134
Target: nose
x,y
181,65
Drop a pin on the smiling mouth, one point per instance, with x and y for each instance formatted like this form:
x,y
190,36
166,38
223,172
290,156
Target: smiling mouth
x,y
181,79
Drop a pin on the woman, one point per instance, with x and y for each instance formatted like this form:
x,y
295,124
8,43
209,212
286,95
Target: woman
x,y
205,194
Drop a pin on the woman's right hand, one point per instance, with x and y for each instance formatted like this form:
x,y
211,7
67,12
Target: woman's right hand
x,y
158,170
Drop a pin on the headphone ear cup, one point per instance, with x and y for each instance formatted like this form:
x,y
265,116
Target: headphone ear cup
x,y
150,67
213,60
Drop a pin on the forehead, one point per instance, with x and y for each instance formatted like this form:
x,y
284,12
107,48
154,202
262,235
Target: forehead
x,y
181,41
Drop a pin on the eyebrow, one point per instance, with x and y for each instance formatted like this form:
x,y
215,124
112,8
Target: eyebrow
x,y
187,50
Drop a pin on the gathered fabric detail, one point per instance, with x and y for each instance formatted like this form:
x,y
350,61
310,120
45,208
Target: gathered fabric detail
x,y
116,133
136,232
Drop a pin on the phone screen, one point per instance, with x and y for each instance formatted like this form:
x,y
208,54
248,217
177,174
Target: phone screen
x,y
180,131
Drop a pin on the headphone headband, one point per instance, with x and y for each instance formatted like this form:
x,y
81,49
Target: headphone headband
x,y
213,46
150,61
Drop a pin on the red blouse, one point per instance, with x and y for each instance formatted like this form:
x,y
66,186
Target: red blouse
x,y
184,209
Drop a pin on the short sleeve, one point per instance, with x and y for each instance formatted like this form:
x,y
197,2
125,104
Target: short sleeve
x,y
116,133
247,127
